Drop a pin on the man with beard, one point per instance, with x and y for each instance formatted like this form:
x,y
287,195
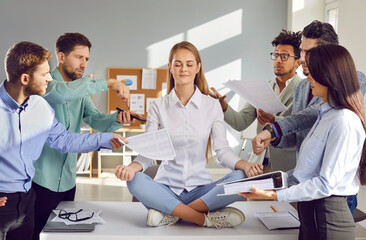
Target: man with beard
x,y
28,122
292,130
69,95
285,62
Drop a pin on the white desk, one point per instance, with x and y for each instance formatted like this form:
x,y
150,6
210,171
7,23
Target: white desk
x,y
127,220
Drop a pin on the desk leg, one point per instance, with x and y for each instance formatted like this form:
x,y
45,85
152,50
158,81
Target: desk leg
x,y
99,164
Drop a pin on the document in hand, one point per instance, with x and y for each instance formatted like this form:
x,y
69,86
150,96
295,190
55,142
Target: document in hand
x,y
278,220
258,93
267,181
156,145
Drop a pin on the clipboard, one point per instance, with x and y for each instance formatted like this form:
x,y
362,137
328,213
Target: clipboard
x,y
268,181
62,227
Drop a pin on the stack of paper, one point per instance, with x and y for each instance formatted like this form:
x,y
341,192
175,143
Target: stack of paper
x,y
234,188
83,162
278,220
267,181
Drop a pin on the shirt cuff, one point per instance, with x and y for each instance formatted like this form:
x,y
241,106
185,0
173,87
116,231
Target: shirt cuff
x,y
281,195
145,162
229,160
105,140
278,133
101,83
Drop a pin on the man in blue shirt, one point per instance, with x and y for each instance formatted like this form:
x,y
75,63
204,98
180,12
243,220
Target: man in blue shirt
x,y
292,130
28,122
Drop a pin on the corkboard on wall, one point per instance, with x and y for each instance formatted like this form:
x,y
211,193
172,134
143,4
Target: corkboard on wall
x,y
114,101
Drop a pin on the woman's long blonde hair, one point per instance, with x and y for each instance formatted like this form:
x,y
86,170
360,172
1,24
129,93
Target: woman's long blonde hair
x,y
199,80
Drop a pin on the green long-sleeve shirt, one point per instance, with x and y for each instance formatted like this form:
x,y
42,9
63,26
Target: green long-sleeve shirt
x,y
72,105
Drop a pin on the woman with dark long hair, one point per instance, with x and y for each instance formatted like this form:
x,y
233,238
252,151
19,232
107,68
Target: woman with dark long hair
x,y
331,162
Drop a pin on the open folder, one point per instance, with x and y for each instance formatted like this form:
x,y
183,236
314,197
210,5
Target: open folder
x,y
273,180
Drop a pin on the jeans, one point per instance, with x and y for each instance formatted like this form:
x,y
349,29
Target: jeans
x,y
160,197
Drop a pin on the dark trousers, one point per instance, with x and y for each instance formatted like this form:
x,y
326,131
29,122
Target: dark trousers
x,y
327,218
17,216
46,201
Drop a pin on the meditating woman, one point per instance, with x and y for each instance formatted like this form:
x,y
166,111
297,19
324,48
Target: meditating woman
x,y
183,188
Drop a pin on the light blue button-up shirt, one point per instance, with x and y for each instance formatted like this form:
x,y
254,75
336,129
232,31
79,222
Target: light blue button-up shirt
x,y
328,158
25,129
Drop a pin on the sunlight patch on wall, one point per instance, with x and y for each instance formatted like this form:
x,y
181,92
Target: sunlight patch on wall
x,y
158,53
217,30
297,5
220,75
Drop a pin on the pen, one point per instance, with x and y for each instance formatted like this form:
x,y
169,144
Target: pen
x,y
132,116
273,208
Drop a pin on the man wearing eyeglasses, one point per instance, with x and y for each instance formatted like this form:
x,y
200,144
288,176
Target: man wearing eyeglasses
x,y
285,59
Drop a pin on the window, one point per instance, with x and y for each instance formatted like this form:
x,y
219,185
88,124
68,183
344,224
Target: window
x,y
331,13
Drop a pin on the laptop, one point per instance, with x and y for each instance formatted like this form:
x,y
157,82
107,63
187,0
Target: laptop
x,y
62,227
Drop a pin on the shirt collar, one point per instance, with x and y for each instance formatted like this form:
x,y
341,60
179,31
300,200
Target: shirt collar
x,y
56,75
196,98
324,108
287,82
9,101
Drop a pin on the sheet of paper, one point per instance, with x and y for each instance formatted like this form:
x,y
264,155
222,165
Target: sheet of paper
x,y
148,103
137,103
148,78
278,220
156,145
84,213
124,78
258,93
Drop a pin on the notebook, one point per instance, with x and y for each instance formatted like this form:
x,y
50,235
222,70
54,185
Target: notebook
x,y
62,227
273,180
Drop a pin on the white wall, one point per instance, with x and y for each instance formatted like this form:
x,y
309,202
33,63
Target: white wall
x,y
352,30
352,35
233,36
303,12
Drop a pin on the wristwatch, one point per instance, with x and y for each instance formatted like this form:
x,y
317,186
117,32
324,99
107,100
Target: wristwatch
x,y
269,128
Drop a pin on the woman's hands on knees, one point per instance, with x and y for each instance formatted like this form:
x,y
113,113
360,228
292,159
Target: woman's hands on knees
x,y
127,173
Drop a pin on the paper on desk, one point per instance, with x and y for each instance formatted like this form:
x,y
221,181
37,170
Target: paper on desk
x,y
156,145
278,220
258,93
85,213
